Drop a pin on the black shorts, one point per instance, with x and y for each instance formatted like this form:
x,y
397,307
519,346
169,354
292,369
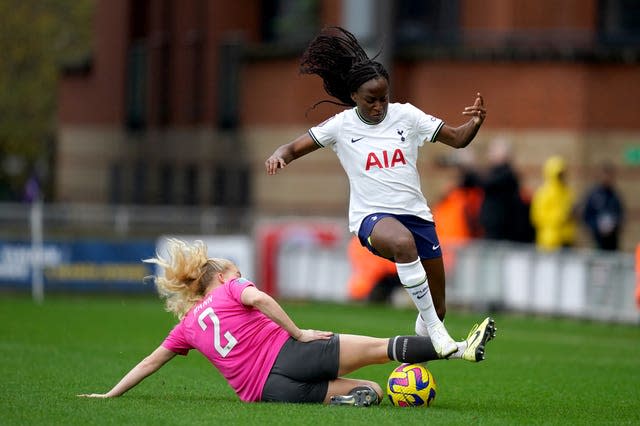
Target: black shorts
x,y
302,371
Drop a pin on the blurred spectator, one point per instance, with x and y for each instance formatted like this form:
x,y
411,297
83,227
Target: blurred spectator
x,y
373,278
31,190
552,208
504,214
457,214
603,211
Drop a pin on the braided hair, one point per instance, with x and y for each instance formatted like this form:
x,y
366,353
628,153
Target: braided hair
x,y
336,56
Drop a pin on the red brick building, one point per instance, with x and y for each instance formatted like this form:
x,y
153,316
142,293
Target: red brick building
x,y
181,102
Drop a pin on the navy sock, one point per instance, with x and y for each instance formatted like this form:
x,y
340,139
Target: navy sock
x,y
411,349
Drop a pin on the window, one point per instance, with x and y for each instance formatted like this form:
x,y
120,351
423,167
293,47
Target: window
x,y
139,181
191,185
165,187
432,22
229,85
619,22
137,67
136,97
115,183
291,22
230,186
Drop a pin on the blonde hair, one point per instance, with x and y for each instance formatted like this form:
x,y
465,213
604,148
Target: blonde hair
x,y
187,274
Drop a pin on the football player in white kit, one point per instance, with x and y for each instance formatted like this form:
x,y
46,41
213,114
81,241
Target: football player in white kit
x,y
377,144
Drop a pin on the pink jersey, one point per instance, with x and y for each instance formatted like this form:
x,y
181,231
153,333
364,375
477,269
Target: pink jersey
x,y
240,341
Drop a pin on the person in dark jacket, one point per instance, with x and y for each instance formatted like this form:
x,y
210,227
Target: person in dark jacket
x,y
503,215
603,210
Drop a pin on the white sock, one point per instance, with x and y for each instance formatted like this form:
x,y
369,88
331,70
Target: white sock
x,y
414,279
462,346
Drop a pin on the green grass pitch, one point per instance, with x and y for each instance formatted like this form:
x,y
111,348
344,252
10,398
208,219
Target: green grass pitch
x,y
538,370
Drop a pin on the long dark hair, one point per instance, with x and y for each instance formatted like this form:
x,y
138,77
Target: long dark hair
x,y
336,56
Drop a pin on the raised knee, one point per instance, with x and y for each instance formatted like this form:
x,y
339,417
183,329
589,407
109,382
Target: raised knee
x,y
404,246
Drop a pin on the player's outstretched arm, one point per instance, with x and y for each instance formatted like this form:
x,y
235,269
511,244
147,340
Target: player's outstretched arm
x,y
286,153
266,304
461,136
145,368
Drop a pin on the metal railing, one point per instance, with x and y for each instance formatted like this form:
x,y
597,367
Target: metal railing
x,y
63,220
490,276
483,275
573,283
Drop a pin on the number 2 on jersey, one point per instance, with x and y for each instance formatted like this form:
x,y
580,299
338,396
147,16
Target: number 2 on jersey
x,y
231,341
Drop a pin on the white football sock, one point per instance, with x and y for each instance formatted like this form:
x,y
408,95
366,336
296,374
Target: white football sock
x,y
462,346
414,279
421,326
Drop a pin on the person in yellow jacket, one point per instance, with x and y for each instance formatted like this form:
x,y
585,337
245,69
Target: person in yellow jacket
x,y
552,208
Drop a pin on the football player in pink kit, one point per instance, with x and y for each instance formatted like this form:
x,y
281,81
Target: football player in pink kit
x,y
377,144
256,346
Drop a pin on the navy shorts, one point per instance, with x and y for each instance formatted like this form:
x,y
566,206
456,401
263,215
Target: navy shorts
x,y
302,371
424,233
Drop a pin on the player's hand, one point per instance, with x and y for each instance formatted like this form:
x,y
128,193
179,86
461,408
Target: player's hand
x,y
94,395
274,163
477,111
311,335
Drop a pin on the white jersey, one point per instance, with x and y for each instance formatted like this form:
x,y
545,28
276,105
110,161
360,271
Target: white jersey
x,y
380,159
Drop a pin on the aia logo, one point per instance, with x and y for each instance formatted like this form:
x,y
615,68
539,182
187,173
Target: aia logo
x,y
384,159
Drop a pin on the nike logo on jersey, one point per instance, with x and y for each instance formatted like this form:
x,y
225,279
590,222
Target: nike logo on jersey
x,y
436,247
354,140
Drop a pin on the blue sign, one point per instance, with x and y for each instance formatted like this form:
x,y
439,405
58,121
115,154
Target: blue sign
x,y
79,265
